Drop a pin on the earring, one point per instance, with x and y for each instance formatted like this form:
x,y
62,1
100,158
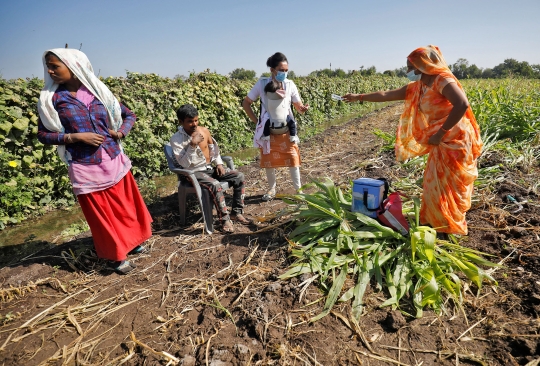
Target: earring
x,y
75,77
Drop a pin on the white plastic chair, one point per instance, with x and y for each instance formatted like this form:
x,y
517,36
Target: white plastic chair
x,y
190,185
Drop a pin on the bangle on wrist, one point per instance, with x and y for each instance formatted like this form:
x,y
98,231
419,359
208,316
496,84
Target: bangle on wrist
x,y
68,138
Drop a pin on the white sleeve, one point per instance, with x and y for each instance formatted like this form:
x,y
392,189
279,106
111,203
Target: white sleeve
x,y
295,96
184,153
256,91
215,156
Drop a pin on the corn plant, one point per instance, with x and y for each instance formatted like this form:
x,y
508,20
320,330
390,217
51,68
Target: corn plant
x,y
335,243
388,139
507,109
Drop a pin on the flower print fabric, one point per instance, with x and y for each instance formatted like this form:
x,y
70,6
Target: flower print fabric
x,y
451,167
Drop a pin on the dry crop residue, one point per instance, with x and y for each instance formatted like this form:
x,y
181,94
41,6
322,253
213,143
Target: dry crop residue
x,y
217,300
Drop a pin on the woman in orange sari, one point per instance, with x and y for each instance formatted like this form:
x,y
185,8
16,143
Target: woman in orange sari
x,y
437,120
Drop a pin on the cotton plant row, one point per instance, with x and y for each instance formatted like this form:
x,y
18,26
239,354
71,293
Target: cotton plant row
x,y
414,271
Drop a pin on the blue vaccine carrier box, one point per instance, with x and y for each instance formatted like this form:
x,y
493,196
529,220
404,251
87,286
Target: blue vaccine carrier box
x,y
372,190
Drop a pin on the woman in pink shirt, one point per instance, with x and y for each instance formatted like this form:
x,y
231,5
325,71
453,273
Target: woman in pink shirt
x,y
81,115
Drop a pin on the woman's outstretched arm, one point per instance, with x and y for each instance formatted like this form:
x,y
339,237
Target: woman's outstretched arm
x,y
380,96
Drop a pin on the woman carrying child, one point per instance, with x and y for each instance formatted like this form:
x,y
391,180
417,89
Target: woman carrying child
x,y
275,133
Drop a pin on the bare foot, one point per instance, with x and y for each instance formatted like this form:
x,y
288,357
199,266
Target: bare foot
x,y
227,226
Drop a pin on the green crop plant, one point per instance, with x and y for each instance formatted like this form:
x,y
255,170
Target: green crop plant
x,y
388,138
505,108
335,243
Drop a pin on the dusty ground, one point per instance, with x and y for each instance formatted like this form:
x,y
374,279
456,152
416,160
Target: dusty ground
x,y
216,300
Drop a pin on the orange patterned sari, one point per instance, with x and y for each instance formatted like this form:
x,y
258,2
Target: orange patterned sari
x,y
451,166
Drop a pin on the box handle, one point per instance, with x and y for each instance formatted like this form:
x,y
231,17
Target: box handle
x,y
385,195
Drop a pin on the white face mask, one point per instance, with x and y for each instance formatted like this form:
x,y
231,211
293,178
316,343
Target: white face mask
x,y
412,76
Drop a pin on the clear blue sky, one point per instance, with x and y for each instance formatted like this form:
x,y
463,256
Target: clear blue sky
x,y
171,37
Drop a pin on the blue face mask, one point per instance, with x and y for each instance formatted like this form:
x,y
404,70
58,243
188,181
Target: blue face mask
x,y
281,76
412,76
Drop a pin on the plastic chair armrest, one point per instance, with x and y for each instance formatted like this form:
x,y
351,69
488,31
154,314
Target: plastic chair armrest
x,y
228,160
187,174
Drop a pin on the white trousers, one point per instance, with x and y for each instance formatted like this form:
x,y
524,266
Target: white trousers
x,y
295,177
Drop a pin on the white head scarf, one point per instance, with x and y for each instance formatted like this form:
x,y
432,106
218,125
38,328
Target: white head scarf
x,y
80,66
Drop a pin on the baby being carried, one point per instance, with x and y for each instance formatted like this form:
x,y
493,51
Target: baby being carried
x,y
278,109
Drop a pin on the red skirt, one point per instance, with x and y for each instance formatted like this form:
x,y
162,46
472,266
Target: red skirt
x,y
118,218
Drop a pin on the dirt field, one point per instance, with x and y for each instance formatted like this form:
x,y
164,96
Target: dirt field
x,y
216,300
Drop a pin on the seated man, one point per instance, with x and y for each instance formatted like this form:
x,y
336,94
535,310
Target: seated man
x,y
194,149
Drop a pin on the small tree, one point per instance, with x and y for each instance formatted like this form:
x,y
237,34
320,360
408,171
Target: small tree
x,y
459,69
487,73
402,71
474,72
536,70
462,70
242,74
330,73
372,70
326,72
512,67
340,73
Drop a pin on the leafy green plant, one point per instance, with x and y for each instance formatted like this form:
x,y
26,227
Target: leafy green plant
x,y
75,229
389,139
507,108
9,317
335,243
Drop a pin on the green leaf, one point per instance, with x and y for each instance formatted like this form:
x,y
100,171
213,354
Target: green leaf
x,y
364,276
333,294
21,124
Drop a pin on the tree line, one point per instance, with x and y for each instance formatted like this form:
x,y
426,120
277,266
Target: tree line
x,y
462,69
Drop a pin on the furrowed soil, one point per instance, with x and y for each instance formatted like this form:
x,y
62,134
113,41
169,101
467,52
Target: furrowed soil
x,y
196,299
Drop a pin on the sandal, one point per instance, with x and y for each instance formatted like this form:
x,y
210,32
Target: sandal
x,y
240,219
123,267
227,227
270,195
138,250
